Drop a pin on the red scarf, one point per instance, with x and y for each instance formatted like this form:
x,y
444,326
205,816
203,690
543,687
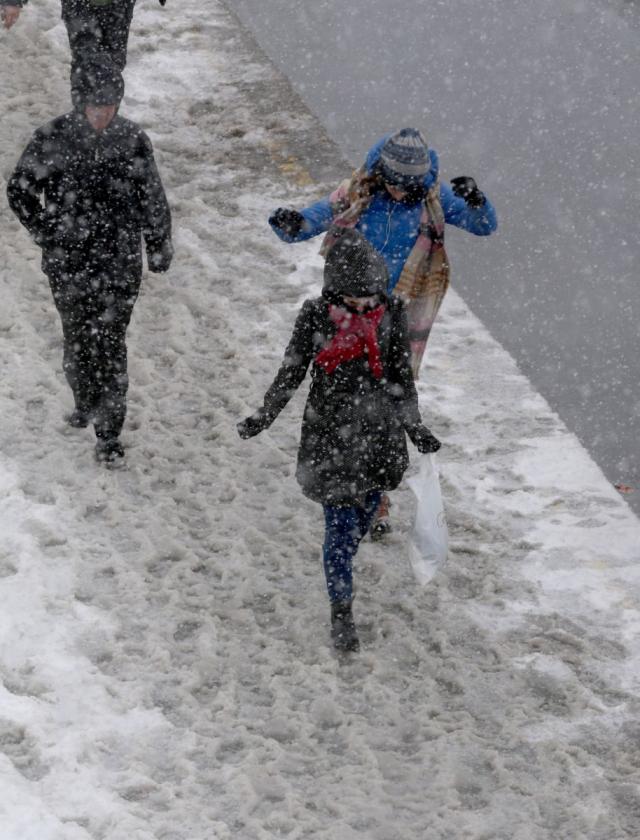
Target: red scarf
x,y
356,336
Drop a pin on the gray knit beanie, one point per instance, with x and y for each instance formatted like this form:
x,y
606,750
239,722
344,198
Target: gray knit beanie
x,y
404,158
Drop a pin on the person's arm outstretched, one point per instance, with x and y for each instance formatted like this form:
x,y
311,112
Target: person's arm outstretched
x,y
466,207
293,370
298,225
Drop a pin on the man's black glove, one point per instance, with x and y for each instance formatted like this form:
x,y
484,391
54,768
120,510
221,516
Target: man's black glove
x,y
422,439
162,2
253,425
466,188
43,237
288,221
159,256
46,232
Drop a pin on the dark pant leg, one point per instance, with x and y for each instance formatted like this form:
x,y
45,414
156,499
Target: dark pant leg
x,y
85,40
95,308
77,314
117,301
344,529
367,513
103,30
115,24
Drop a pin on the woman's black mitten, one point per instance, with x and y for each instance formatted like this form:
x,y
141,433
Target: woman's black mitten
x,y
466,187
288,221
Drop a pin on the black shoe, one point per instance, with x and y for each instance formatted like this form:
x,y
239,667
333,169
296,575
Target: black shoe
x,y
343,628
109,450
78,419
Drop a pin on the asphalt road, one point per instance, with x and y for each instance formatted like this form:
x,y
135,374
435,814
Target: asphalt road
x,y
540,102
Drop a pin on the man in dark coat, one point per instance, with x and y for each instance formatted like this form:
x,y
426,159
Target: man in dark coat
x,y
93,26
361,402
87,189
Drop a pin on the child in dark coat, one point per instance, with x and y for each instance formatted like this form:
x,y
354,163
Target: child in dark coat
x,y
399,202
361,402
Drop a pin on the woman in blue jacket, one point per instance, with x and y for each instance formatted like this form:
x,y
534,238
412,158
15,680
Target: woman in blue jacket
x,y
396,200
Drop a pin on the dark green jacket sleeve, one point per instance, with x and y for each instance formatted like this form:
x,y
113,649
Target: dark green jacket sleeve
x,y
293,369
156,227
25,188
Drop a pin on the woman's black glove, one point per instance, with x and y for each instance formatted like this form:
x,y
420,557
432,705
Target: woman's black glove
x,y
422,439
466,188
253,425
288,221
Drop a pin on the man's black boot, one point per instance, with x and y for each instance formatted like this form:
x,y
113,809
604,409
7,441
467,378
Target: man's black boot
x,y
109,450
78,419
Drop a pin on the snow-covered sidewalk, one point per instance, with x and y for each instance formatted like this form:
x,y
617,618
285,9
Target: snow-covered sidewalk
x,y
165,672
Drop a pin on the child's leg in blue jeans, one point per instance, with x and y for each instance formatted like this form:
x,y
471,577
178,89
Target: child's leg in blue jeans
x,y
344,528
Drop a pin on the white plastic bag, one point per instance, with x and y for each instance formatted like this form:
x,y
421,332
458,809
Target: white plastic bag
x,y
429,539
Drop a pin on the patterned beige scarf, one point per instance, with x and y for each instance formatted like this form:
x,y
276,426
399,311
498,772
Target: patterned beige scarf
x,y
424,278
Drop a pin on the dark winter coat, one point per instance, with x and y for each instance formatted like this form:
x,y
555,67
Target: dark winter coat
x,y
353,431
101,192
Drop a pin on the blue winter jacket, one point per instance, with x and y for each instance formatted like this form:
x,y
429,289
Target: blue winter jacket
x,y
392,226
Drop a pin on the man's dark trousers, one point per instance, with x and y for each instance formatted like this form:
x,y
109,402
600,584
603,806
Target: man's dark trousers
x,y
95,306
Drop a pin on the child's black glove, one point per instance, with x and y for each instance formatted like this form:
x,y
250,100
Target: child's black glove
x,y
288,221
253,425
466,188
422,439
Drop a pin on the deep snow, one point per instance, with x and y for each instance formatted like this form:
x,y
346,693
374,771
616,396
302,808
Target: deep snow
x,y
165,672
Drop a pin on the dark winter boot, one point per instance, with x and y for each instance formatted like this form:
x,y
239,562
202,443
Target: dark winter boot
x,y
343,628
381,526
78,419
109,450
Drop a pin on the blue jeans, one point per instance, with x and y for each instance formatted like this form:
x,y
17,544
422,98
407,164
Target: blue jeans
x,y
344,528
